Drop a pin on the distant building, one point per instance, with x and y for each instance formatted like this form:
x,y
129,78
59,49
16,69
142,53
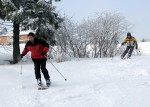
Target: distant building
x,y
3,31
6,38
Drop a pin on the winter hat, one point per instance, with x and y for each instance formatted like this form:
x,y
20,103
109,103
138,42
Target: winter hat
x,y
31,34
128,34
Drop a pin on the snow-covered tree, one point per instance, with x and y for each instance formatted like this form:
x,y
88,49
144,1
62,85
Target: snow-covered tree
x,y
2,15
12,10
41,17
99,35
38,15
82,39
106,29
64,37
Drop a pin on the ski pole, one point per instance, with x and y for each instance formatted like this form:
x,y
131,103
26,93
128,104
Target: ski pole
x,y
21,75
21,67
58,70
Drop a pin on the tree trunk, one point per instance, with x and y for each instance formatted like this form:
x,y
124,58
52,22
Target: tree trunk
x,y
16,47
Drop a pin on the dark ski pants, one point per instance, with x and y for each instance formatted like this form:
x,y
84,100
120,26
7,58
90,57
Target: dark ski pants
x,y
40,64
128,50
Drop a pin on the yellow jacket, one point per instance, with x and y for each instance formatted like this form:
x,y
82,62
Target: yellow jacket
x,y
130,41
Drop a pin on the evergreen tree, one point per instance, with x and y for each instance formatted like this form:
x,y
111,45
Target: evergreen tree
x,y
42,18
37,15
2,15
11,10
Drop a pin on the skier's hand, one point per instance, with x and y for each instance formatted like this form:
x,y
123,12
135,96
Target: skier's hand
x,y
122,43
136,47
21,56
44,53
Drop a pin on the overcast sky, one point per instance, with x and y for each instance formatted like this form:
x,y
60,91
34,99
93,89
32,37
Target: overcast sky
x,y
136,12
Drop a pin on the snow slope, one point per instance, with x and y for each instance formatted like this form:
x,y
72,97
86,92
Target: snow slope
x,y
91,83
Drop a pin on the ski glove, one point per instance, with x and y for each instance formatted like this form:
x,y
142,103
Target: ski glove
x,y
122,43
136,47
21,55
44,54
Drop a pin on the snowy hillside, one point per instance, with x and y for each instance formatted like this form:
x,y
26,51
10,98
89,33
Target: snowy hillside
x,y
91,82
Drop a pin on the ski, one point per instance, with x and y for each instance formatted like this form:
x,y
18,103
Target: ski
x,y
43,88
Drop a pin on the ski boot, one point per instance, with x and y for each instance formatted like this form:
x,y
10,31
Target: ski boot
x,y
122,57
39,82
129,56
48,82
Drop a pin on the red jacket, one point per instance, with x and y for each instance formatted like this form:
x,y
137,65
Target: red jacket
x,y
37,48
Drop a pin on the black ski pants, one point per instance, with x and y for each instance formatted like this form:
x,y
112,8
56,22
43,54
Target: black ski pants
x,y
128,50
40,64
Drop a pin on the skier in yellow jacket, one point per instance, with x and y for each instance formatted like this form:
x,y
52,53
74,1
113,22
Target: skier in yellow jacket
x,y
131,43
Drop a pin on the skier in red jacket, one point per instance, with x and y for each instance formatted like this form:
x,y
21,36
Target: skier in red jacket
x,y
38,49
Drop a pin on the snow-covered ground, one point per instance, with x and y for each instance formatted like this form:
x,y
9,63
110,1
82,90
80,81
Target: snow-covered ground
x,y
91,82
